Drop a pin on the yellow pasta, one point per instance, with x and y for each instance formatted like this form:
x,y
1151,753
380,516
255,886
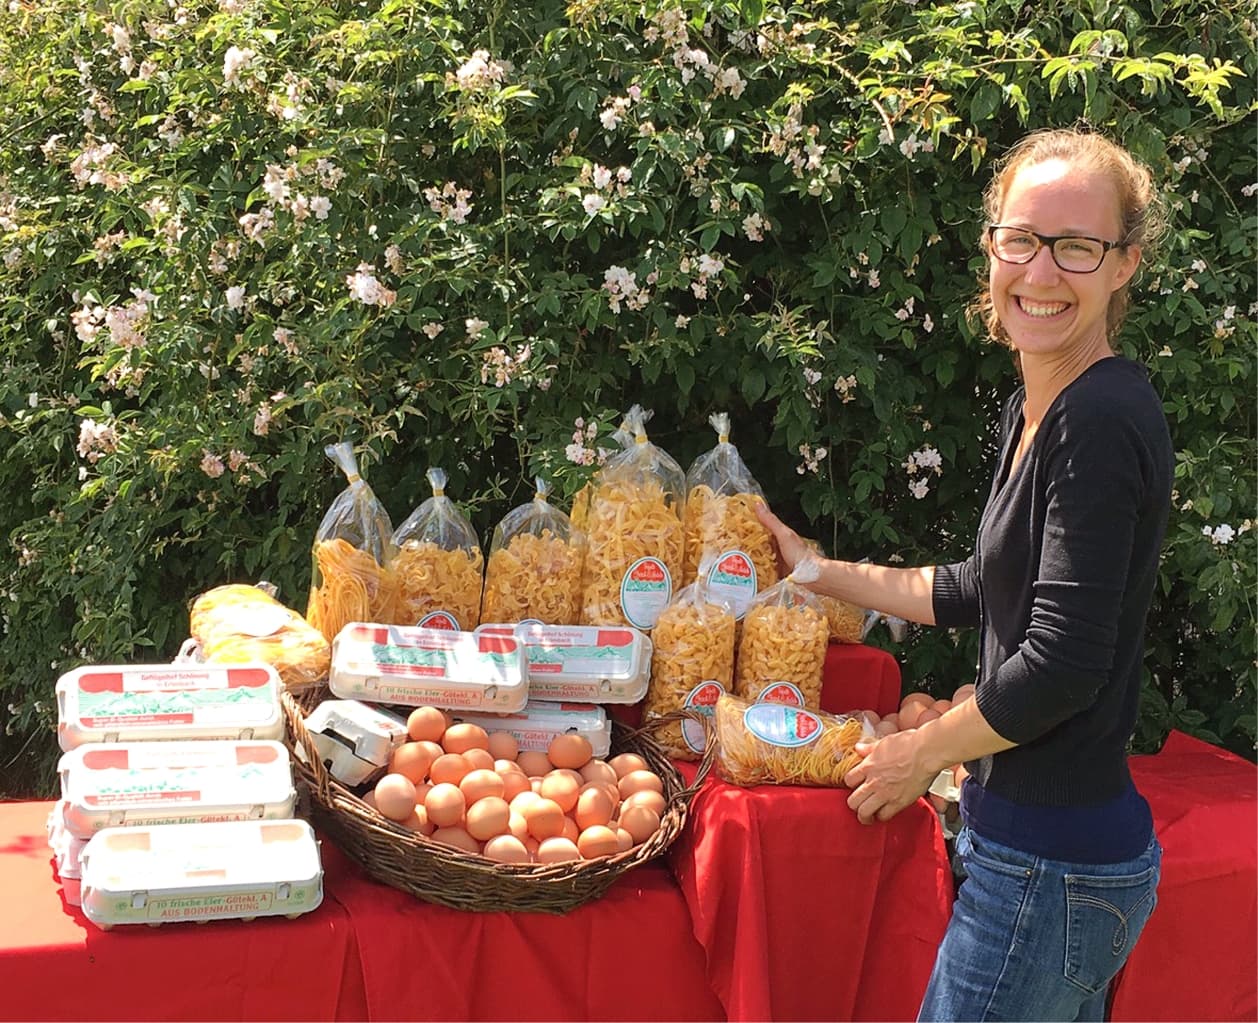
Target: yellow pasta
x,y
824,754
782,644
716,523
693,643
581,508
534,576
627,521
431,578
847,621
348,585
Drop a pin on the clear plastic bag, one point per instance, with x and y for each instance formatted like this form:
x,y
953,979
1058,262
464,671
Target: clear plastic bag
x,y
721,521
770,743
352,576
784,638
848,622
439,564
237,623
534,568
635,537
581,500
693,655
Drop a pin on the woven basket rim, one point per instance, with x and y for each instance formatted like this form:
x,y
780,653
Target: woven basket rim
x,y
438,873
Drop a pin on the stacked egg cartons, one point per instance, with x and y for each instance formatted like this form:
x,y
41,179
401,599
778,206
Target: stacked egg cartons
x,y
177,800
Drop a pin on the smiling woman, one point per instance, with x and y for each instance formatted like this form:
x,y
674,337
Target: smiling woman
x,y
1060,861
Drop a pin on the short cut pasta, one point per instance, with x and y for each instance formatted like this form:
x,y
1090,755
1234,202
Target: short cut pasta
x,y
782,644
534,576
821,751
716,523
431,578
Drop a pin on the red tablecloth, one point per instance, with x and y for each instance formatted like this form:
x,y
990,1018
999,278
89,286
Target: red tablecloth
x,y
55,964
859,677
629,955
1198,956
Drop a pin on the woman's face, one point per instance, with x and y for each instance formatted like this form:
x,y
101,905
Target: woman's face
x,y
1047,311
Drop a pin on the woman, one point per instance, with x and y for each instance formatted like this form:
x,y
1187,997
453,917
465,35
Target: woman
x,y
1057,846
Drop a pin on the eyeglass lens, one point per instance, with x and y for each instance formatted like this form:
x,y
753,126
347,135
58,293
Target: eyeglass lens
x,y
1080,255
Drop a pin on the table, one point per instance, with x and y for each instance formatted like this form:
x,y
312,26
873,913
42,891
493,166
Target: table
x,y
1198,956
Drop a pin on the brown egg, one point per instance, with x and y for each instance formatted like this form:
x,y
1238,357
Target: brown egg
x,y
596,841
562,789
893,719
505,767
456,837
544,818
479,759
599,770
623,839
534,763
924,699
535,784
883,728
942,706
625,763
963,693
445,805
636,781
503,746
909,715
518,826
513,783
507,849
412,760
593,807
465,736
418,821
649,798
873,717
427,724
641,822
395,796
557,850
449,768
929,714
572,751
523,799
488,817
570,829
477,785
422,790
532,844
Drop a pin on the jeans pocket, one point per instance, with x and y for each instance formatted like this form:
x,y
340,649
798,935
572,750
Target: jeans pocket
x,y
980,851
1104,916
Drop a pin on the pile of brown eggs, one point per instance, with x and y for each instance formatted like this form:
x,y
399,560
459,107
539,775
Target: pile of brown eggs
x,y
916,709
475,790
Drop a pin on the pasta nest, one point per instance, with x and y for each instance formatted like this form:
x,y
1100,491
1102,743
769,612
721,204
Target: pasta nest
x,y
782,644
847,621
431,578
348,585
716,523
744,758
626,521
534,576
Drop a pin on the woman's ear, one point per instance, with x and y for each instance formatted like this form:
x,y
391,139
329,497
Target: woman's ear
x,y
1129,262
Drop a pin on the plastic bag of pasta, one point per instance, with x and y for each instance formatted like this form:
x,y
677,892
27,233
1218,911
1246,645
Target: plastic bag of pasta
x,y
635,540
784,638
352,578
237,623
534,568
771,743
848,622
581,500
692,664
721,522
439,564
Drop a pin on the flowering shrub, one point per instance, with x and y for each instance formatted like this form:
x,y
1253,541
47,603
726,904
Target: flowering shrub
x,y
469,236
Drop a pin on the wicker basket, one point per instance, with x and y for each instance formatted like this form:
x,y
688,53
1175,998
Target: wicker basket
x,y
450,877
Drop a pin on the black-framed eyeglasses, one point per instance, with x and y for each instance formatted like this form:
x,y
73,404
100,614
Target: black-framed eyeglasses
x,y
1076,254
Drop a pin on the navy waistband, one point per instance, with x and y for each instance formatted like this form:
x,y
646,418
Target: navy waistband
x,y
1113,832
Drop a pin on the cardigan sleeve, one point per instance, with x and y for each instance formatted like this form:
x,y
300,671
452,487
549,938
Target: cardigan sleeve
x,y
954,594
1096,468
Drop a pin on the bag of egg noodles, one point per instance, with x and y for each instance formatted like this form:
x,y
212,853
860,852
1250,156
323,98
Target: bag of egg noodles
x,y
439,564
721,522
784,638
634,537
534,568
352,577
691,666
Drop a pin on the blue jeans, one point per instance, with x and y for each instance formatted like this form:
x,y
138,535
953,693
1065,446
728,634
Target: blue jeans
x,y
1037,939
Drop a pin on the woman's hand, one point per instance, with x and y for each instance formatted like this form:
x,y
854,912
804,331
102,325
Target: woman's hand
x,y
890,777
790,545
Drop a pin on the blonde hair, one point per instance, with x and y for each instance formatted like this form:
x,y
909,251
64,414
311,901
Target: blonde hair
x,y
1139,204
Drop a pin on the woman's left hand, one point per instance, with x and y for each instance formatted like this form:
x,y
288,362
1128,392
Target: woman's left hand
x,y
889,778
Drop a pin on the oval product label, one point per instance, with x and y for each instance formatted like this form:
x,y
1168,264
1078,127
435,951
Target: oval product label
x,y
439,620
701,698
781,692
645,591
779,725
732,579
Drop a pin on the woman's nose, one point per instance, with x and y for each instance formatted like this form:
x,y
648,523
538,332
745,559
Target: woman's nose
x,y
1041,266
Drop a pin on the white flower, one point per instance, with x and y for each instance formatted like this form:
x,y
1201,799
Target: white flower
x,y
592,203
602,176
475,326
480,72
236,61
212,465
927,323
754,227
364,286
919,488
235,297
432,329
1222,535
811,376
710,266
681,322
321,206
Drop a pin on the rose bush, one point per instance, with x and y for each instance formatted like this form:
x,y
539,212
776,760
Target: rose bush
x,y
470,235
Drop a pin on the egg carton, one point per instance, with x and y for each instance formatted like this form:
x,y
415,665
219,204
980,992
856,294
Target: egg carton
x,y
355,741
582,663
